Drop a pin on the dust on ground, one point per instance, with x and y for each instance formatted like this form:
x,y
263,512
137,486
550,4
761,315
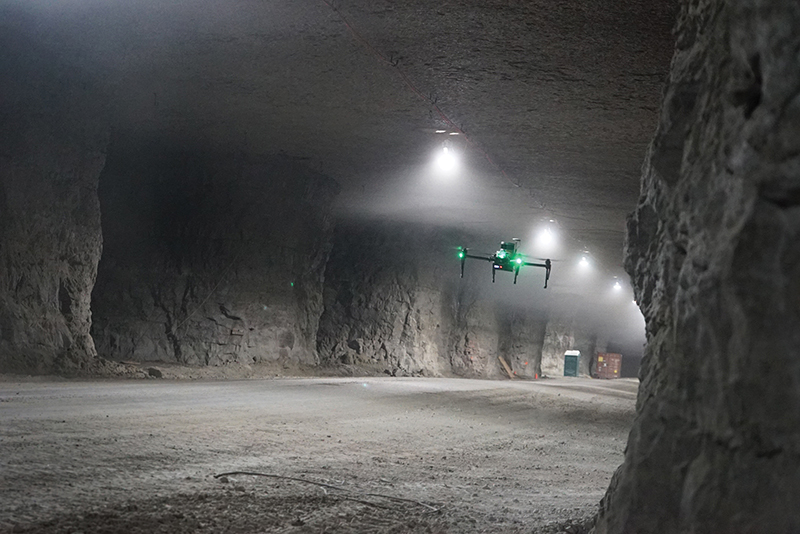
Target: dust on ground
x,y
368,454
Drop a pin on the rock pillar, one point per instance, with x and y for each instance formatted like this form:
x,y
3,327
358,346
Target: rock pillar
x,y
50,243
714,252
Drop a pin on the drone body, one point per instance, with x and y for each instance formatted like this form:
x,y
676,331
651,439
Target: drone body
x,y
508,258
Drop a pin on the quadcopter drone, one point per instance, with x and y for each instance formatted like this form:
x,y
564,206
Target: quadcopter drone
x,y
508,258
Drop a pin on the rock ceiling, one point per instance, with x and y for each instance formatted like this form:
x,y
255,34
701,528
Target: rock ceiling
x,y
554,101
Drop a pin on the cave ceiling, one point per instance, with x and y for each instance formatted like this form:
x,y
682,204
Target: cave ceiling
x,y
554,101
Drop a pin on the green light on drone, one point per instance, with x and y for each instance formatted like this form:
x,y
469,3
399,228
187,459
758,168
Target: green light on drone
x,y
460,254
519,260
291,284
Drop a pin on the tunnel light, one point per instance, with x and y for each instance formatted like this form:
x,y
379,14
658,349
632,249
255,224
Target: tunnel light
x,y
446,160
617,286
584,262
546,237
453,133
441,131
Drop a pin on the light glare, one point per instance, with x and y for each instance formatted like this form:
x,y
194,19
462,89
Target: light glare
x,y
446,160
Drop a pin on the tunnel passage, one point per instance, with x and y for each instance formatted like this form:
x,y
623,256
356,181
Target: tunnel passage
x,y
712,250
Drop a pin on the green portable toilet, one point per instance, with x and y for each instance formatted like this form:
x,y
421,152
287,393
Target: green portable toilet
x,y
571,359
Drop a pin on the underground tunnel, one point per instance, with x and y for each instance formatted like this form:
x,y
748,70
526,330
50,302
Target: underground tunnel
x,y
253,266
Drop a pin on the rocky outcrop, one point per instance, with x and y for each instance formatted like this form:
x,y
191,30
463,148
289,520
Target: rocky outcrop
x,y
50,242
210,258
714,253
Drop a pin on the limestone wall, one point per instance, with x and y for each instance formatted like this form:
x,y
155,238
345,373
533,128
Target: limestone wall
x,y
52,153
394,302
210,258
714,252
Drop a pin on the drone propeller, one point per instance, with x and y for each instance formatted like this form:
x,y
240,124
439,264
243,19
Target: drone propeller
x,y
538,258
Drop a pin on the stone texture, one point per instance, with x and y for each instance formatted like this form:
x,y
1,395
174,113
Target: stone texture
x,y
394,302
211,258
714,252
559,337
384,300
522,338
52,153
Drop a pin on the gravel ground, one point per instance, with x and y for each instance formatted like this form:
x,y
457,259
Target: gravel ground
x,y
371,454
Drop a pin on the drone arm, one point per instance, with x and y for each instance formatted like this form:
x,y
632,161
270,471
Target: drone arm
x,y
547,265
464,254
478,257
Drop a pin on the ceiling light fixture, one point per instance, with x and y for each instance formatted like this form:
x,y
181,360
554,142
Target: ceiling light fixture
x,y
446,160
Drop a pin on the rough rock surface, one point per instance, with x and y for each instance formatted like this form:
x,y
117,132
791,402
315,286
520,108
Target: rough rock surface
x,y
384,302
559,337
522,338
211,258
714,252
52,154
394,301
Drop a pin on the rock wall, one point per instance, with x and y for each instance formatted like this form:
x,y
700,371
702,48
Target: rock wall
x,y
210,258
52,153
523,339
714,252
394,302
559,337
384,302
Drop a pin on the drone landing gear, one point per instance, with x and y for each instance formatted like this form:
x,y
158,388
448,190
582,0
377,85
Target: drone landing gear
x,y
547,264
516,274
493,273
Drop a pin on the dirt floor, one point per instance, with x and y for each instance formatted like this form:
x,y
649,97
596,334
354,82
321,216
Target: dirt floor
x,y
371,454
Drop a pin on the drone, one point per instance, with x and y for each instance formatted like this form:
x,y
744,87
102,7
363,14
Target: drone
x,y
508,258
